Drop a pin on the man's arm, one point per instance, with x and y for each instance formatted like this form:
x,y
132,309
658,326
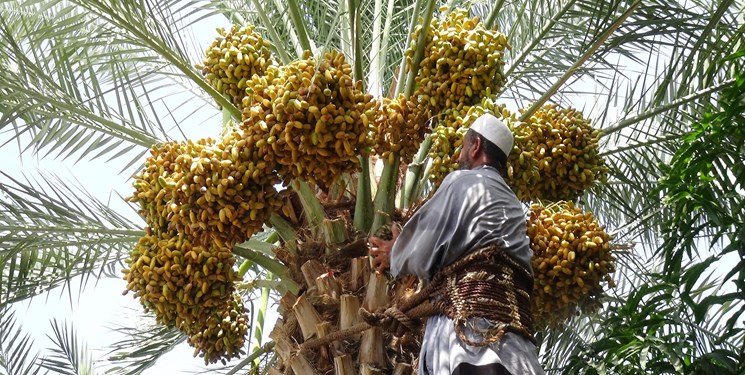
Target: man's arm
x,y
431,235
463,213
424,236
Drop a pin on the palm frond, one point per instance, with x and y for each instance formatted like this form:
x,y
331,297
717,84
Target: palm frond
x,y
646,130
69,357
644,329
700,190
94,78
558,41
682,319
142,347
156,27
325,24
645,332
52,231
284,57
16,347
41,95
262,354
84,77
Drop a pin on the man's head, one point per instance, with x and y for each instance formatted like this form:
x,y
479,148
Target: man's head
x,y
488,142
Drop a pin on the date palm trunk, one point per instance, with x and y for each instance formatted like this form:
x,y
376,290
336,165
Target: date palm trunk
x,y
320,329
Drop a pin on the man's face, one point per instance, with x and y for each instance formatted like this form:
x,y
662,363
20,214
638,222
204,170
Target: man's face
x,y
464,159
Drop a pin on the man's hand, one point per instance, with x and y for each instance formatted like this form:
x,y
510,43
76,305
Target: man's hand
x,y
380,249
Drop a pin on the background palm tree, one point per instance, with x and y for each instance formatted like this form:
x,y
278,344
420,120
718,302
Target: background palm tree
x,y
103,81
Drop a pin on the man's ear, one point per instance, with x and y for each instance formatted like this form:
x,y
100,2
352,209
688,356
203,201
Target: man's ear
x,y
476,148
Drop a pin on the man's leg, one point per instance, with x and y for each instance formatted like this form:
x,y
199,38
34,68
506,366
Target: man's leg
x,y
490,369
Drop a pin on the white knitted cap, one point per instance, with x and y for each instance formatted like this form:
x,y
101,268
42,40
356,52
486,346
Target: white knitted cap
x,y
495,131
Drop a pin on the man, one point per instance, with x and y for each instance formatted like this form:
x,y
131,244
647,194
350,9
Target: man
x,y
472,209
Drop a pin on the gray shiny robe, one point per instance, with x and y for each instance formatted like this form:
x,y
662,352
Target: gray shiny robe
x,y
471,210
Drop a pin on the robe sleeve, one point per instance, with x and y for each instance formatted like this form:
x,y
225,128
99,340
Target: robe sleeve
x,y
427,237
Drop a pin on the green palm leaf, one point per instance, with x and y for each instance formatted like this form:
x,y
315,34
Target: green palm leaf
x,y
142,347
69,357
86,88
16,347
41,95
52,232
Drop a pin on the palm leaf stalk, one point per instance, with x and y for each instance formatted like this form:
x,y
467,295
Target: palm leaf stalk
x,y
385,44
345,29
354,20
299,23
260,319
385,196
364,206
375,76
312,208
272,32
429,11
414,173
492,17
285,231
402,71
408,90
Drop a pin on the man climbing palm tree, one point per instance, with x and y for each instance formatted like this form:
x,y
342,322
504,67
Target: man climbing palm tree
x,y
473,211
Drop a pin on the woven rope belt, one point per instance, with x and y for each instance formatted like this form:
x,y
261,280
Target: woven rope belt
x,y
486,283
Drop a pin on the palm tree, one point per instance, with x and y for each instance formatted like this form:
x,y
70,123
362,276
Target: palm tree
x,y
92,80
